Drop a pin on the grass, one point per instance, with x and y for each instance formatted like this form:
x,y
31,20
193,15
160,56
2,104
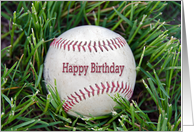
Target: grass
x,y
152,30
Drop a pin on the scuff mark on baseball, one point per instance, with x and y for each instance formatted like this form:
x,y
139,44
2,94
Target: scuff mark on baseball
x,y
90,63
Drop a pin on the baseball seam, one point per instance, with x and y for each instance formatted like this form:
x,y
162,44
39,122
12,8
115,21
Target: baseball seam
x,y
75,98
66,44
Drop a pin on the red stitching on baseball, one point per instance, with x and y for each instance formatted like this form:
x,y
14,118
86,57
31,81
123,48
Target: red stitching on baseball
x,y
92,90
69,45
108,87
78,96
123,40
57,43
116,43
109,44
70,103
121,87
53,42
113,43
105,46
74,98
79,46
82,94
127,93
95,46
103,87
71,100
66,107
117,87
66,44
100,46
113,85
124,88
89,46
129,96
120,42
88,92
74,45
62,43
98,91
84,45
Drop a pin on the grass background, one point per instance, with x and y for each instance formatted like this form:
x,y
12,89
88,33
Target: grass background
x,y
152,30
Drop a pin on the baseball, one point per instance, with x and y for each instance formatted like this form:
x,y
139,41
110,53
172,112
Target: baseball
x,y
90,64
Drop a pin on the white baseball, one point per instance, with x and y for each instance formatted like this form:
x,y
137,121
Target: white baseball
x,y
90,64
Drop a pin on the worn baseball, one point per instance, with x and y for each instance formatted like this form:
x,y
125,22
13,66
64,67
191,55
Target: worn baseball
x,y
90,64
